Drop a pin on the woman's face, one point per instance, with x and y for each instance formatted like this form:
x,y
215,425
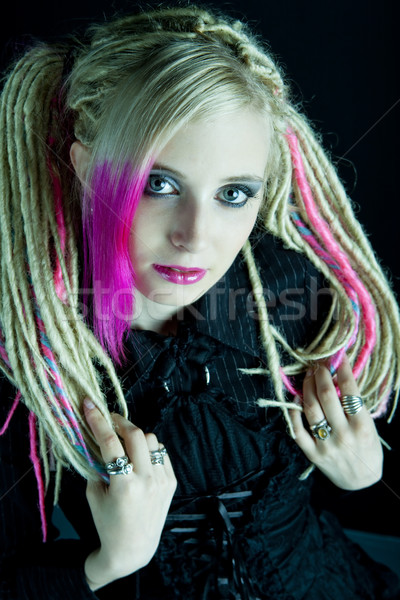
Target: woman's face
x,y
198,209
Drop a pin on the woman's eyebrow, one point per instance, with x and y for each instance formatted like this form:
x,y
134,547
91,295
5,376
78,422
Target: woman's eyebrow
x,y
235,178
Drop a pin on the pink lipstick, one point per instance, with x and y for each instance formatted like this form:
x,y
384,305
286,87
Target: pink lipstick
x,y
180,275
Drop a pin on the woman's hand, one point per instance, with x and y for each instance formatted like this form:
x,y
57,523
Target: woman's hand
x,y
351,457
130,513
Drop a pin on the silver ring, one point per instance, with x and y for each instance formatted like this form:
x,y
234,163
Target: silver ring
x,y
122,470
120,466
352,404
117,463
321,430
157,456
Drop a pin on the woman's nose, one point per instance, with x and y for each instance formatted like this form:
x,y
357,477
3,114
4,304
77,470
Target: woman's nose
x,y
191,228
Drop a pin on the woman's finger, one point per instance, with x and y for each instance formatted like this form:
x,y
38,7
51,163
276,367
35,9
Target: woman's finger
x,y
348,387
109,443
126,440
167,465
328,398
303,437
154,445
311,405
152,442
138,444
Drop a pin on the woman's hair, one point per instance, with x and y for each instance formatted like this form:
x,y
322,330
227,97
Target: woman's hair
x,y
124,93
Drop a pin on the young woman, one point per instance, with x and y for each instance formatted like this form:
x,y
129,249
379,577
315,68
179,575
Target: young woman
x,y
192,320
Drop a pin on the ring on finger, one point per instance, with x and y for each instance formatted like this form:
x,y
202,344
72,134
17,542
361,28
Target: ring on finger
x,y
120,466
122,470
117,463
321,430
352,404
157,456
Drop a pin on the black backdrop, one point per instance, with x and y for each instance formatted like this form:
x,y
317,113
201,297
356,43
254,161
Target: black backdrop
x,y
342,60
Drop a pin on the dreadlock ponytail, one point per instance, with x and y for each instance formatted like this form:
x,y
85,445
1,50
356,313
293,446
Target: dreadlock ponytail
x,y
46,350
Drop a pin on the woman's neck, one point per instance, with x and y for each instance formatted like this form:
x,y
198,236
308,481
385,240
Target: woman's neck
x,y
151,316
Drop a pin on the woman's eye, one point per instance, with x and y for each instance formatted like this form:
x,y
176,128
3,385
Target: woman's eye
x,y
160,185
235,195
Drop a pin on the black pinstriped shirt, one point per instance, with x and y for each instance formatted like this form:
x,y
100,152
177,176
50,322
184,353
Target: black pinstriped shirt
x,y
226,452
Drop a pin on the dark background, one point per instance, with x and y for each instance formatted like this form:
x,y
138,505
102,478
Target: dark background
x,y
343,62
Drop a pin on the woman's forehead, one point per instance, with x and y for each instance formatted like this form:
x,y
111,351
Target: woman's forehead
x,y
237,143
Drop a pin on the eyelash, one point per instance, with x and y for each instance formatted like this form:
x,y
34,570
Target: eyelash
x,y
163,178
242,188
249,193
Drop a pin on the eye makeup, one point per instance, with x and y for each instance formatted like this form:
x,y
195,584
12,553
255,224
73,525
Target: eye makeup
x,y
167,183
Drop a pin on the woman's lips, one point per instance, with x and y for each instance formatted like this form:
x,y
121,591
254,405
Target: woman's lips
x,y
180,275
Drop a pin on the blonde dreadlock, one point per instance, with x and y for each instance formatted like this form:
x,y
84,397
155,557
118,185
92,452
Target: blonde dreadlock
x,y
45,341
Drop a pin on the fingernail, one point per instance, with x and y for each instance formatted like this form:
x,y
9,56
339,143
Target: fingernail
x,y
345,360
310,372
88,403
